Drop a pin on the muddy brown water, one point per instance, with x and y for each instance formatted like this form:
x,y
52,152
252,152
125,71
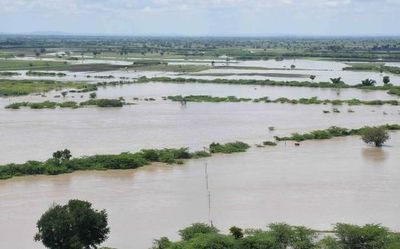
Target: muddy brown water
x,y
317,184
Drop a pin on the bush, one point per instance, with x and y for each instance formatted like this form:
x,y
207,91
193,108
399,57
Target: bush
x,y
269,143
195,230
375,135
228,147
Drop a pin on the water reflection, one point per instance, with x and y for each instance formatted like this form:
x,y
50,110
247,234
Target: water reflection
x,y
375,155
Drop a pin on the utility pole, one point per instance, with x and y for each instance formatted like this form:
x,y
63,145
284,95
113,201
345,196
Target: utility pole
x,y
208,194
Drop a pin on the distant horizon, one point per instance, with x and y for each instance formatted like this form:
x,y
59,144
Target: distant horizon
x,y
203,17
60,33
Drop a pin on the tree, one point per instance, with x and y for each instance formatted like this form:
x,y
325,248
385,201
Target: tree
x,y
62,155
236,232
162,243
93,95
64,94
366,237
282,234
75,225
292,67
196,229
386,80
368,82
336,80
375,135
312,77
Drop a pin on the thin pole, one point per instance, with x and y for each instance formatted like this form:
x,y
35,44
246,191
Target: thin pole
x,y
208,193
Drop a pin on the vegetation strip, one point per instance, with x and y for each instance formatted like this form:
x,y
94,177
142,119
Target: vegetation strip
x,y
334,131
306,101
68,104
282,236
395,90
374,67
25,87
61,161
51,74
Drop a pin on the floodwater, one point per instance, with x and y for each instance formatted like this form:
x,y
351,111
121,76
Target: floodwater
x,y
349,77
274,70
317,184
87,131
158,90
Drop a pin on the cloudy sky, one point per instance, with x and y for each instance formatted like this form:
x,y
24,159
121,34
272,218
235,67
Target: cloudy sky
x,y
202,17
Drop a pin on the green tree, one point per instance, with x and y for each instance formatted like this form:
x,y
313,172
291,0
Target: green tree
x,y
282,234
386,80
64,94
367,237
162,243
236,232
375,135
336,80
93,95
195,230
368,82
312,77
62,155
75,225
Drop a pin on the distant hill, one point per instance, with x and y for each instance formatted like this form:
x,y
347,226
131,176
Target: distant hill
x,y
49,33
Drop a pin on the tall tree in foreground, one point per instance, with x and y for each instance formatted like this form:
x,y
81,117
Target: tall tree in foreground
x,y
75,225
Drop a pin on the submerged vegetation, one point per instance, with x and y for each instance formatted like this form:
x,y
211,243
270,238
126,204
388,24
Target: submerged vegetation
x,y
395,90
55,166
283,236
281,100
9,73
335,131
374,67
25,87
229,148
68,104
51,74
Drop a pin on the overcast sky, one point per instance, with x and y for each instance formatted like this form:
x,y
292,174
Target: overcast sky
x,y
202,17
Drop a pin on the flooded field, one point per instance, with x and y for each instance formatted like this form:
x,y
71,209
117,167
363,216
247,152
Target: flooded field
x,y
334,179
88,131
268,69
251,189
158,90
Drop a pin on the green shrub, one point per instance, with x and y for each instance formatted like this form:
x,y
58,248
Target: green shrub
x,y
195,230
228,147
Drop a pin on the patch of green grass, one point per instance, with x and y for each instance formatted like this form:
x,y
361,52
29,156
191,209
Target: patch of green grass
x,y
30,65
25,87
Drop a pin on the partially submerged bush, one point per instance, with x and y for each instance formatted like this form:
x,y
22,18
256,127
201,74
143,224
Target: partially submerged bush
x,y
335,131
228,147
375,135
269,143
